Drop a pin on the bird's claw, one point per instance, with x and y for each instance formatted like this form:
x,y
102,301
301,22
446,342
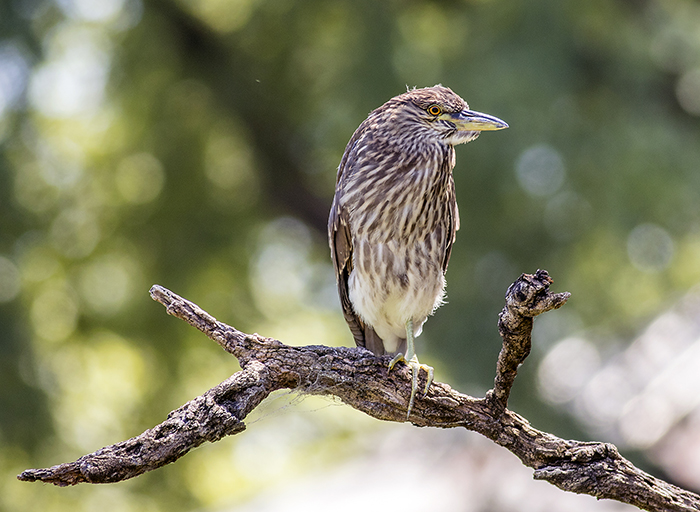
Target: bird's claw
x,y
416,367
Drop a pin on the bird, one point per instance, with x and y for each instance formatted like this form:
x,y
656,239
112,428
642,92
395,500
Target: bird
x,y
394,218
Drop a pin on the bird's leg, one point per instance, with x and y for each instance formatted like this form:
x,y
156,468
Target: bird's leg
x,y
411,359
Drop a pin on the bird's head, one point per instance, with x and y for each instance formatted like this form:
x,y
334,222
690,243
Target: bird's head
x,y
438,113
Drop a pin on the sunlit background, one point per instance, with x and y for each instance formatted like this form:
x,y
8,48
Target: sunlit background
x,y
194,144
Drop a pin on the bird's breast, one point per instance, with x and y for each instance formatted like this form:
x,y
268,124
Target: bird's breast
x,y
393,282
402,204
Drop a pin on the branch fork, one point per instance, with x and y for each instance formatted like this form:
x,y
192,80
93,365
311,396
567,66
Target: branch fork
x,y
361,380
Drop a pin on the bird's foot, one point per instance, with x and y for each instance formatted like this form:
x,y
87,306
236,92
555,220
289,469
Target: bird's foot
x,y
416,367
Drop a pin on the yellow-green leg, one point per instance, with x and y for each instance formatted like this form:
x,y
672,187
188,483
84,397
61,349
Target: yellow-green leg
x,y
412,360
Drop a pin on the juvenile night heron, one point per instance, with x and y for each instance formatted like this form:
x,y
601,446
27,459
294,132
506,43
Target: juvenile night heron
x,y
394,218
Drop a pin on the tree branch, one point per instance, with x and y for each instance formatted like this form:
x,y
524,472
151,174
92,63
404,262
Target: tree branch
x,y
362,381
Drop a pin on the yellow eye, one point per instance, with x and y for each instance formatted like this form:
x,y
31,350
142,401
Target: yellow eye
x,y
434,110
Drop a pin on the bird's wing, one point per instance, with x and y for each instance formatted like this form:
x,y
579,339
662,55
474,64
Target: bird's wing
x,y
452,224
340,241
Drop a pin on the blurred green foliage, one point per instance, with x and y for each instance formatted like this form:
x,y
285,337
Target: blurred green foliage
x,y
194,144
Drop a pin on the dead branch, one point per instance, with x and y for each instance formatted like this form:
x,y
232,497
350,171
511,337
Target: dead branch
x,y
361,380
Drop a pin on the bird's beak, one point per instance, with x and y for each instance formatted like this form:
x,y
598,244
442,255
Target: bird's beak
x,y
469,120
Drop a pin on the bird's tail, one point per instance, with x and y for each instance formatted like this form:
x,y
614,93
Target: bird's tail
x,y
375,344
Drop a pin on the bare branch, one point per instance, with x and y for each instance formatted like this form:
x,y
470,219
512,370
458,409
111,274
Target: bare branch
x,y
209,417
362,381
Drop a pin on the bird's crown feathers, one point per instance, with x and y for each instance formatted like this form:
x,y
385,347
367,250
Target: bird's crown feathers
x,y
438,94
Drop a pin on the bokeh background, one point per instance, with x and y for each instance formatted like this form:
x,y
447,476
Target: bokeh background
x,y
193,144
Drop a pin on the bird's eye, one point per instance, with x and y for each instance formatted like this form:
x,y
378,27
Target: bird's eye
x,y
434,110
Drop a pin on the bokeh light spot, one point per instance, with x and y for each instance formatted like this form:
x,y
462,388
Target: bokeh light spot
x,y
91,410
566,368
282,270
229,161
603,397
10,283
645,419
540,170
89,10
32,191
106,283
688,91
38,263
671,50
14,71
222,15
650,248
75,233
140,178
54,313
73,81
229,165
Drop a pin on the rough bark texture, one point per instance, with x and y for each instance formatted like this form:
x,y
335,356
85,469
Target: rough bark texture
x,y
362,381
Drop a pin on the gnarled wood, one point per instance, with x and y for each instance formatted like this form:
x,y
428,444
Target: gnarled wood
x,y
362,381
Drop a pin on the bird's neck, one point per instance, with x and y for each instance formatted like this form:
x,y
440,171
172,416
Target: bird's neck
x,y
421,186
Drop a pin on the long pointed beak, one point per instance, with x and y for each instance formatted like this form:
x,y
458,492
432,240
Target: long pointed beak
x,y
470,120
